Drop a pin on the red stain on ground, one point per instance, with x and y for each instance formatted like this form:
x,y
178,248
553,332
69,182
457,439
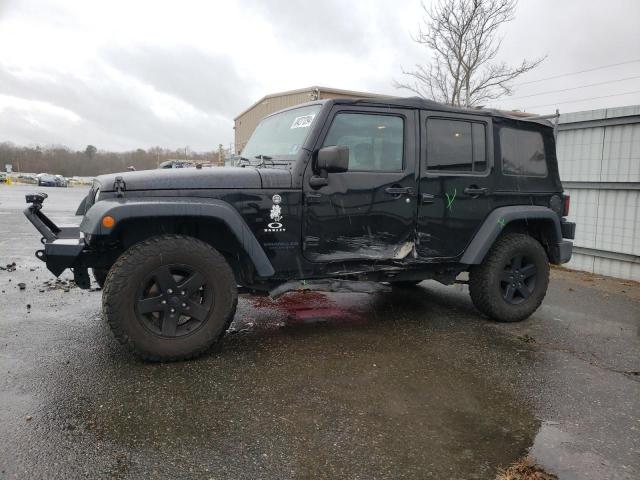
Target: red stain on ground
x,y
309,307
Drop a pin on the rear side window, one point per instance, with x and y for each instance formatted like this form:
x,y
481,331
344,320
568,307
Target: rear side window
x,y
456,146
522,152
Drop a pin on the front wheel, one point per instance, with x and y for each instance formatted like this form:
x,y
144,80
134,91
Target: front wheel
x,y
169,298
512,281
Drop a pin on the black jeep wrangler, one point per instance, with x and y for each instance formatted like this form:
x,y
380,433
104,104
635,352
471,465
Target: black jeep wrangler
x,y
355,195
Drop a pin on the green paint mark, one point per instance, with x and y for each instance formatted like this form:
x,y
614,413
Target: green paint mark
x,y
450,199
501,222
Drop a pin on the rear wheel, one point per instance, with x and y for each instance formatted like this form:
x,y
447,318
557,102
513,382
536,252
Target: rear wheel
x,y
512,281
169,298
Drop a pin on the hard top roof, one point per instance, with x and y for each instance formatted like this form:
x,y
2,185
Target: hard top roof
x,y
424,104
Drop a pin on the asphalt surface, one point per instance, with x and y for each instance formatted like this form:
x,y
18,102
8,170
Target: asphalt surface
x,y
408,384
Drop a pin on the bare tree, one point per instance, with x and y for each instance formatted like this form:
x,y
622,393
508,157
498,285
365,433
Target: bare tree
x,y
463,38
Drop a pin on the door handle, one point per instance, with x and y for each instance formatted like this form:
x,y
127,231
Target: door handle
x,y
427,198
474,191
399,190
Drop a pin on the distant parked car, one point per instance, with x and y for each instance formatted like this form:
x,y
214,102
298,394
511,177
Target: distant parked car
x,y
3,177
60,181
27,178
46,180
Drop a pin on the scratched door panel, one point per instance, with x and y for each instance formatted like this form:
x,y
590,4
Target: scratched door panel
x,y
356,216
455,183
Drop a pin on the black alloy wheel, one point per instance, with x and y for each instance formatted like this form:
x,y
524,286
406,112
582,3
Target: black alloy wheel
x,y
511,282
174,301
518,280
169,297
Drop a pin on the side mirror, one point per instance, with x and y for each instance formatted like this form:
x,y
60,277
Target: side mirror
x,y
333,159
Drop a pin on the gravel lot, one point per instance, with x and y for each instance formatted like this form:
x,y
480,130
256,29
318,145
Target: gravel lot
x,y
409,384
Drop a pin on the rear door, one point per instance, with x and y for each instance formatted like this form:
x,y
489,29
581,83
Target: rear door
x,y
455,182
368,212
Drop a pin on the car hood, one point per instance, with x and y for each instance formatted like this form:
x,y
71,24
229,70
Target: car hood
x,y
193,178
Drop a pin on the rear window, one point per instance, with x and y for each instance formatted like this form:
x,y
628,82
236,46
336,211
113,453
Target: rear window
x,y
522,152
455,146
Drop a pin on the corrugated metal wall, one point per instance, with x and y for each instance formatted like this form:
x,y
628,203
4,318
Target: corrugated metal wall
x,y
599,160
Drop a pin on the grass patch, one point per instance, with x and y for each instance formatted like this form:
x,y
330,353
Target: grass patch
x,y
524,470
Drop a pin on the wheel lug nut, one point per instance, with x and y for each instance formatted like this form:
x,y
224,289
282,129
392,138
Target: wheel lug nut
x,y
164,302
169,291
173,310
182,292
184,305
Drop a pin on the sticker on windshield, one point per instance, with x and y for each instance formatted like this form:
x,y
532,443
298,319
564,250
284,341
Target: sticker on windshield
x,y
303,122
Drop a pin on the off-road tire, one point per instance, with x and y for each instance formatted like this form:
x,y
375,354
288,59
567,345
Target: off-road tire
x,y
485,284
100,275
129,271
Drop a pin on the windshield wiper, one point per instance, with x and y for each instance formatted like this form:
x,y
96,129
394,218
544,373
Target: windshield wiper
x,y
262,159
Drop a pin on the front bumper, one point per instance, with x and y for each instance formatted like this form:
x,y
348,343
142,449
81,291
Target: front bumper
x,y
63,246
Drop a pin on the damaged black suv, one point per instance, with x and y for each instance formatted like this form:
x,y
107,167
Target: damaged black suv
x,y
356,195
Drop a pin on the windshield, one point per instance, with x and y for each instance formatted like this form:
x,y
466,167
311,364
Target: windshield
x,y
281,135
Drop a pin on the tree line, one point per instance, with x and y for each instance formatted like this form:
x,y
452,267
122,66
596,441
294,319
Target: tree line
x,y
61,160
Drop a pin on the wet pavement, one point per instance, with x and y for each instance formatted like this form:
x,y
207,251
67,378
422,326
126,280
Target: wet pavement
x,y
407,384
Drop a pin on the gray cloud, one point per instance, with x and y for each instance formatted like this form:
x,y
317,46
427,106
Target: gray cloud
x,y
207,82
315,26
112,111
113,93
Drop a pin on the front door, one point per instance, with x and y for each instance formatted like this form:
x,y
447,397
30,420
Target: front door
x,y
368,212
455,182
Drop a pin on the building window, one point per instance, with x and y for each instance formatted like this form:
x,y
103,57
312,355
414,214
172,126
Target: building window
x,y
456,146
376,142
522,152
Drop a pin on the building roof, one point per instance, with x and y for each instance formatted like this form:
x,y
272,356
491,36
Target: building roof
x,y
310,89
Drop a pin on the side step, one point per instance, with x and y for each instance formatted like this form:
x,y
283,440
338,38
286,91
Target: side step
x,y
329,285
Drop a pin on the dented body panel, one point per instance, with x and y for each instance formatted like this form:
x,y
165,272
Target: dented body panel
x,y
287,221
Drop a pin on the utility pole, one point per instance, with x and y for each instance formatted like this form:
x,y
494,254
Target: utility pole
x,y
220,155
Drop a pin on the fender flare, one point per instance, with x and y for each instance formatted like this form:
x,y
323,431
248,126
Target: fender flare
x,y
122,209
497,220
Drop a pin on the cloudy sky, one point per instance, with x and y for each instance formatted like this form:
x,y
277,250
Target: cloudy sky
x,y
123,74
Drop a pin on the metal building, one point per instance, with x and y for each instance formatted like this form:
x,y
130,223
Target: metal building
x,y
246,122
599,161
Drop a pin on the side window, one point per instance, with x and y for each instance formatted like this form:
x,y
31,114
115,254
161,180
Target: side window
x,y
456,146
522,152
376,142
